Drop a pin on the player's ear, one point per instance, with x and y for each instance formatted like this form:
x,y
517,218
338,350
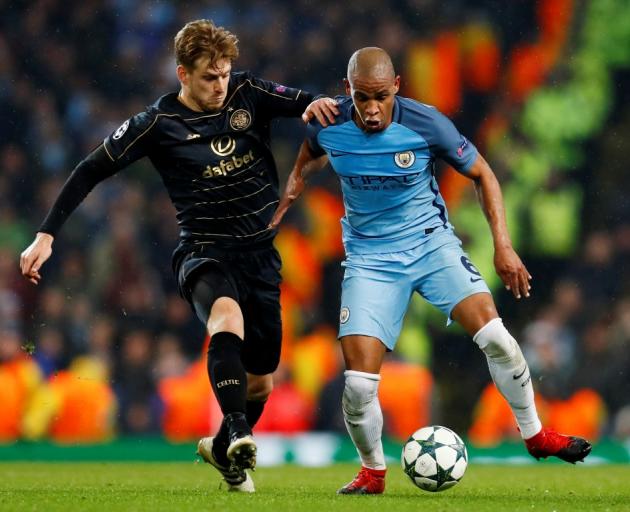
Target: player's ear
x,y
346,84
182,74
397,84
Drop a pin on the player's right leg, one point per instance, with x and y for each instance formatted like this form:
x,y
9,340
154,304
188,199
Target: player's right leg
x,y
362,411
374,297
215,298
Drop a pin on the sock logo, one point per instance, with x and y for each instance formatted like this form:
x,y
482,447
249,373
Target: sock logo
x,y
516,377
228,382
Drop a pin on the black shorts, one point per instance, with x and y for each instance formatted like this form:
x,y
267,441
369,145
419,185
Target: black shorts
x,y
251,278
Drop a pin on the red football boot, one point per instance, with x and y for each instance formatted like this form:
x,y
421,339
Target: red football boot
x,y
549,443
367,481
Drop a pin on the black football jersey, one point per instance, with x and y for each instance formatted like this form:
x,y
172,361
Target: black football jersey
x,y
217,167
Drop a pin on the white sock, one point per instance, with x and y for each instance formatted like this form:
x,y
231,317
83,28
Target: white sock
x,y
363,416
510,373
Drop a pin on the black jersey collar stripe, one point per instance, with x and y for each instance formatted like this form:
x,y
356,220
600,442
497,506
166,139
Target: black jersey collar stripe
x,y
242,215
235,198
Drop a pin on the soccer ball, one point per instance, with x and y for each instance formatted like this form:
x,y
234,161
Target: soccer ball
x,y
434,458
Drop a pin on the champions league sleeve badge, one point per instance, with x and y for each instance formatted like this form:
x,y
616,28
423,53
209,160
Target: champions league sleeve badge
x,y
121,130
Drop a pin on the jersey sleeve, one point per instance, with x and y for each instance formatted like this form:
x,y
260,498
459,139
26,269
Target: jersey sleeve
x,y
96,167
131,140
451,146
278,100
312,131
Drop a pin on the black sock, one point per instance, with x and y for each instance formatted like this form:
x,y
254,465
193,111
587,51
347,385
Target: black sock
x,y
226,372
253,411
221,443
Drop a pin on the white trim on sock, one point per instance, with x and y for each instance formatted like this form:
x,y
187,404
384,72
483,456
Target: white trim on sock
x,y
364,375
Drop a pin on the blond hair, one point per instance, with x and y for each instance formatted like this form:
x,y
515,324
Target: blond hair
x,y
203,39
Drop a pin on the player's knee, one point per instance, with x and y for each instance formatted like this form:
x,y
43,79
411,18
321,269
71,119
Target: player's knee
x,y
259,387
495,341
225,315
360,391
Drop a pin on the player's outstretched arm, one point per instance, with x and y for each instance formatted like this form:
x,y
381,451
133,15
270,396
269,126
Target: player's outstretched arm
x,y
322,109
507,263
95,168
305,163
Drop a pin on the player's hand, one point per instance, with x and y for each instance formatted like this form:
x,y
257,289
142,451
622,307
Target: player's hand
x,y
323,109
512,271
293,190
34,257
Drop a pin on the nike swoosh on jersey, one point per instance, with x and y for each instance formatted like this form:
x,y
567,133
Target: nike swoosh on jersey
x,y
473,280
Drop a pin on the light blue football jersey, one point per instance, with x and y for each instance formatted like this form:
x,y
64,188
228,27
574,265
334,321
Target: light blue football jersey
x,y
390,193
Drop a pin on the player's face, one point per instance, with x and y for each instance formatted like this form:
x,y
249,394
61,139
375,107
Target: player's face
x,y
205,87
373,99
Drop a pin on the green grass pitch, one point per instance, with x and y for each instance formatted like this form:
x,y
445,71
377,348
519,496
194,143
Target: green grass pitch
x,y
179,486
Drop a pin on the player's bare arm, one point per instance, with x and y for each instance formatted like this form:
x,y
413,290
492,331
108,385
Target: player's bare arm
x,y
305,164
322,109
507,263
35,255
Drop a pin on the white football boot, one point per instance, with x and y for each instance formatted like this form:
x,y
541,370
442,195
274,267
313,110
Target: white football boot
x,y
237,479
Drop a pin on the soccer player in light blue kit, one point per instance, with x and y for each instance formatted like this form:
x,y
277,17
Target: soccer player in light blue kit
x,y
398,240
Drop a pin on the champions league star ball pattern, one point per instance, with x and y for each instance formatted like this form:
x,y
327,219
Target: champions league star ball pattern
x,y
434,458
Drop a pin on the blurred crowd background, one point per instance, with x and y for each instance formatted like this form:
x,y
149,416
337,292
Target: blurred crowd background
x,y
105,347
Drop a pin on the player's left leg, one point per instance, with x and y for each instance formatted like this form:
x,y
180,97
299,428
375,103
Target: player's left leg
x,y
478,316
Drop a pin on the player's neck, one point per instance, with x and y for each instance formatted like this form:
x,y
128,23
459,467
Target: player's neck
x,y
188,102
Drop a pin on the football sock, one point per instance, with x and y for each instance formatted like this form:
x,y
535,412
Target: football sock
x,y
363,416
221,443
254,410
226,371
510,373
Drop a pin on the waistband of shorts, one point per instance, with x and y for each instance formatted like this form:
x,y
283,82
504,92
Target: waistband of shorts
x,y
378,246
190,242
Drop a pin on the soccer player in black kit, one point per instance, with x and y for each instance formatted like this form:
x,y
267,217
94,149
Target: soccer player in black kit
x,y
211,145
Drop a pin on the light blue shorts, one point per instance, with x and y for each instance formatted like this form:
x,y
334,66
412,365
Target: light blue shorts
x,y
377,288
